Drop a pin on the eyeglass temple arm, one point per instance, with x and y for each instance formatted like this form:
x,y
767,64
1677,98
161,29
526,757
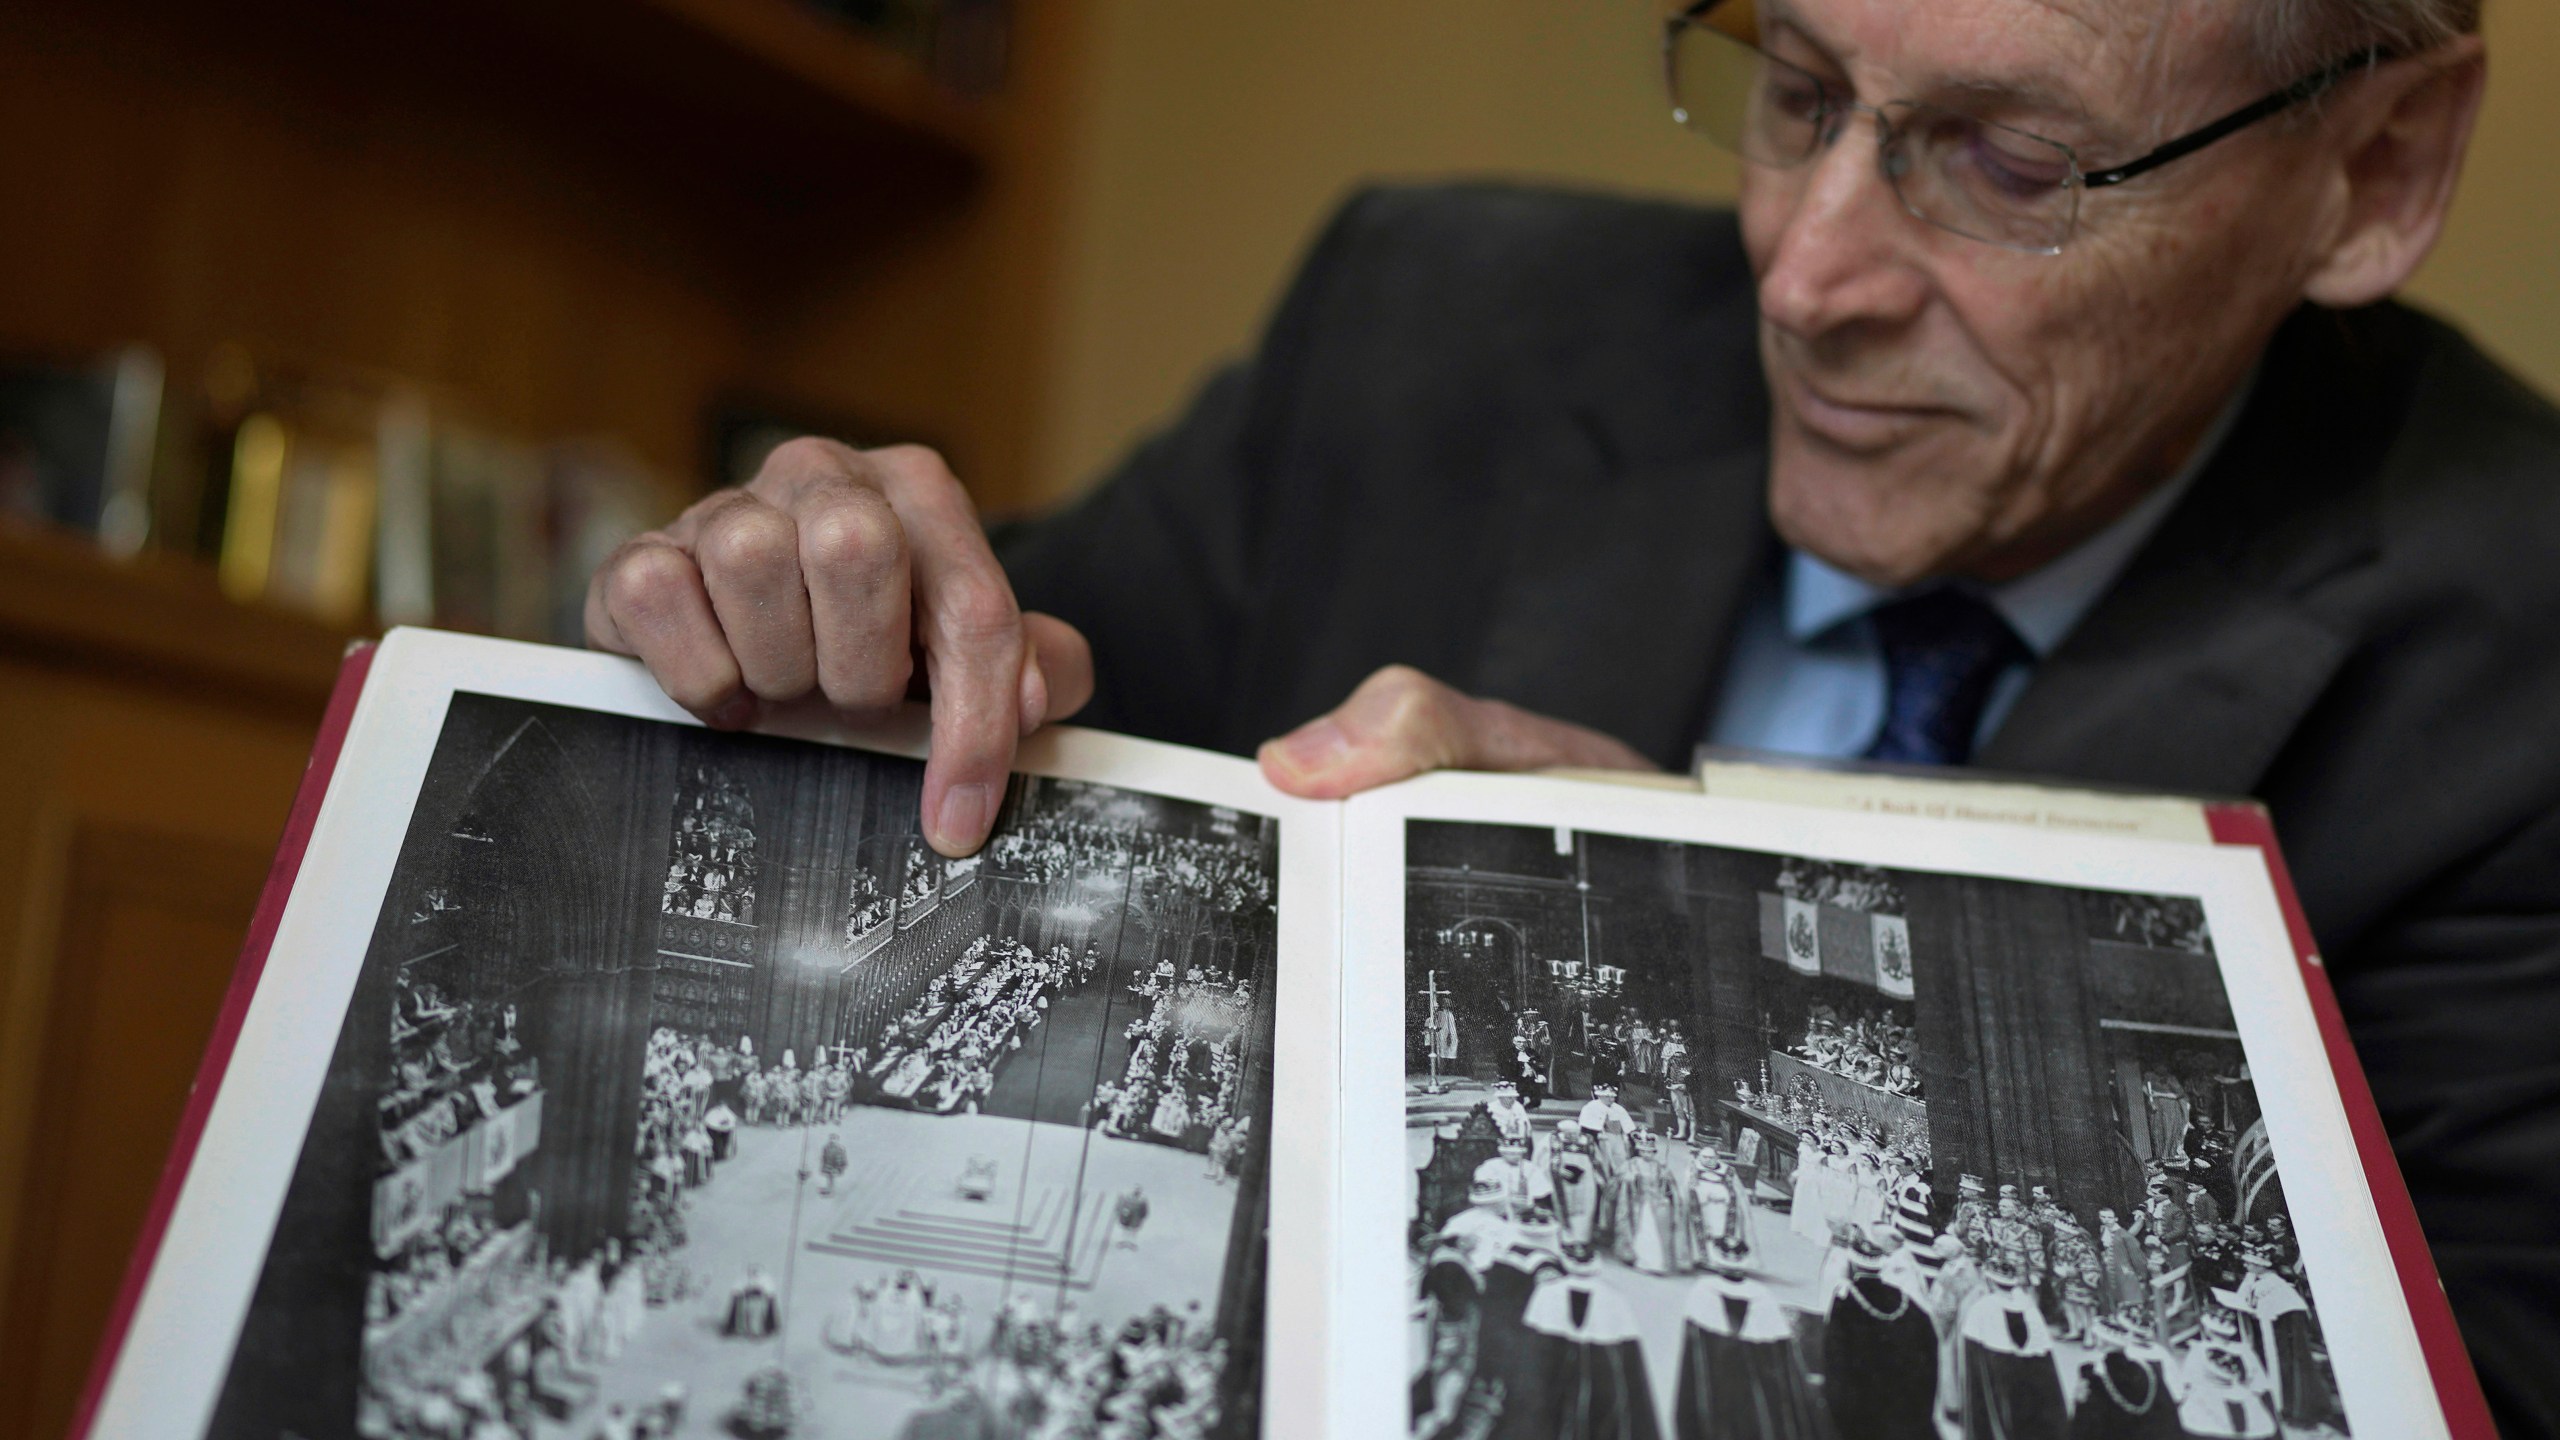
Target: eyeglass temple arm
x,y
2242,118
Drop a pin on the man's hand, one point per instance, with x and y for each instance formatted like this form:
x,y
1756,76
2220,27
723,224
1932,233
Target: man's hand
x,y
1401,722
836,570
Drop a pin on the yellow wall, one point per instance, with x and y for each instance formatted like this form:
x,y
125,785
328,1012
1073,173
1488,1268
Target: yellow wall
x,y
1218,133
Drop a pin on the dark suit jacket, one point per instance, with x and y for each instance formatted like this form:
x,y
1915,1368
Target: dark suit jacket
x,y
1518,439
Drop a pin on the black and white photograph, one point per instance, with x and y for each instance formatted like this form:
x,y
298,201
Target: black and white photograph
x,y
1704,1142
686,1091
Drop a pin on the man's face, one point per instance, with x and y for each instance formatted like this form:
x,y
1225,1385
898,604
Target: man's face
x,y
1945,406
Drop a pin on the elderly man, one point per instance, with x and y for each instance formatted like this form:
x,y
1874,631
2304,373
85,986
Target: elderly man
x,y
2043,406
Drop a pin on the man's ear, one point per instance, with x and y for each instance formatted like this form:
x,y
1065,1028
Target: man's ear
x,y
2403,155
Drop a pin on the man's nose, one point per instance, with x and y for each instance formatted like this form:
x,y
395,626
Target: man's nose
x,y
1843,254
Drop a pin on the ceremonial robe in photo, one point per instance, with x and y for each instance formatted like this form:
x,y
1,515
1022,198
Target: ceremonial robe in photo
x,y
1650,1219
1958,1281
1912,1204
1443,1032
1609,1126
1723,1213
1740,1377
1445,1326
2126,1398
2224,1392
2124,1276
2011,1391
1808,1207
1588,1381
752,1313
1880,1361
2280,1323
1505,1348
1576,1181
1524,1071
1477,1234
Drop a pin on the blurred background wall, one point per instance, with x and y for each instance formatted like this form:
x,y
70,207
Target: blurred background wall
x,y
1214,136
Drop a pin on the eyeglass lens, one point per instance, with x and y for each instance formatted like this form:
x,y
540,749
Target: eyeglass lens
x,y
1959,172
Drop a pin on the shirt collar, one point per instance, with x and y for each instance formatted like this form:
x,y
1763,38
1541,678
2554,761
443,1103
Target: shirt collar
x,y
2042,605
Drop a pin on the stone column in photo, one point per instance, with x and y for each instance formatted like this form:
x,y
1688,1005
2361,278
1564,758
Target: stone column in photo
x,y
2011,1058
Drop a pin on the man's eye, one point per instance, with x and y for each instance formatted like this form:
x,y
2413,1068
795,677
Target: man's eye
x,y
1797,98
2013,164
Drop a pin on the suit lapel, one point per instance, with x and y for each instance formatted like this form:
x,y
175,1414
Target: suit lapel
x,y
2187,683
1621,594
1633,522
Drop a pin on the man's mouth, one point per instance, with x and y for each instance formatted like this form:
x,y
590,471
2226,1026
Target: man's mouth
x,y
1852,422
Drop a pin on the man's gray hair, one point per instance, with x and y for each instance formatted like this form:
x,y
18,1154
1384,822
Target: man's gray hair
x,y
2295,37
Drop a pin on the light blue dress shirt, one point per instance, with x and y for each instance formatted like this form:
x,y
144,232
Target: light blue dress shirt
x,y
1807,676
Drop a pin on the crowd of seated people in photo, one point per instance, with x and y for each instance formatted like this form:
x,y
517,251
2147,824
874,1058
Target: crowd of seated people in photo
x,y
711,874
1872,1046
453,1062
1231,878
2162,922
866,908
941,1052
1850,887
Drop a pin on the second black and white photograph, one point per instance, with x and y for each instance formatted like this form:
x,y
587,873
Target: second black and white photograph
x,y
1726,1145
687,1092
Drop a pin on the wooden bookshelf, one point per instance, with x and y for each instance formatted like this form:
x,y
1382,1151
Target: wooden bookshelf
x,y
157,622
582,216
579,217
151,734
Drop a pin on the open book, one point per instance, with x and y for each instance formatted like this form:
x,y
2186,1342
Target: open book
x,y
589,1073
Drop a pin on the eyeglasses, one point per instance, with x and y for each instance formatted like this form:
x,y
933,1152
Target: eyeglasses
x,y
1962,173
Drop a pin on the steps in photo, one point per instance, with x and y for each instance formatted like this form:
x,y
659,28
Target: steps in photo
x,y
1041,1234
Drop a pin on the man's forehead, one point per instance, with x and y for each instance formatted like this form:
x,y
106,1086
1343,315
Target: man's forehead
x,y
2105,58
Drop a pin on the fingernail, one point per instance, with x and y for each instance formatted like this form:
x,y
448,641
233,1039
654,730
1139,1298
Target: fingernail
x,y
966,813
735,715
1035,695
1315,745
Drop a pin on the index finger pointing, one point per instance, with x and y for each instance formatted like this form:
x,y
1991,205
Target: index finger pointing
x,y
971,633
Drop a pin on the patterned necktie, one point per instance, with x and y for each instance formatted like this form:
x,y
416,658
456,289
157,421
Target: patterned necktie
x,y
1942,653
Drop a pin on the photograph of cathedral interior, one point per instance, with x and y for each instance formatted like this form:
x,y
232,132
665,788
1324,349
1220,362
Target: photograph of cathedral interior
x,y
687,1092
1733,1146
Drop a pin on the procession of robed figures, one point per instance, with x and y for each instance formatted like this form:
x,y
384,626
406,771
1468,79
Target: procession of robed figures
x,y
1848,1302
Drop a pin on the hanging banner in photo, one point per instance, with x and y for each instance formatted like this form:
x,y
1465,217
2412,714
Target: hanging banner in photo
x,y
400,1208
1773,926
1892,943
497,1150
1848,945
1803,937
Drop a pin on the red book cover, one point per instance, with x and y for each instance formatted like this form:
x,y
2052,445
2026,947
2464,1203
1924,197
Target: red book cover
x,y
226,1024
2466,1408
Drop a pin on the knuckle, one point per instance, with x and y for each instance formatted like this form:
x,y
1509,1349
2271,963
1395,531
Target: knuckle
x,y
748,540
848,535
701,693
808,455
974,608
647,581
921,462
1411,710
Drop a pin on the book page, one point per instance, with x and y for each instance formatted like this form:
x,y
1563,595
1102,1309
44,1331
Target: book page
x,y
1698,1117
610,1076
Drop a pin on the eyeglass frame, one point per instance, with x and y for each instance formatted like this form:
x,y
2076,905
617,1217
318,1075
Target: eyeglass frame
x,y
2275,103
